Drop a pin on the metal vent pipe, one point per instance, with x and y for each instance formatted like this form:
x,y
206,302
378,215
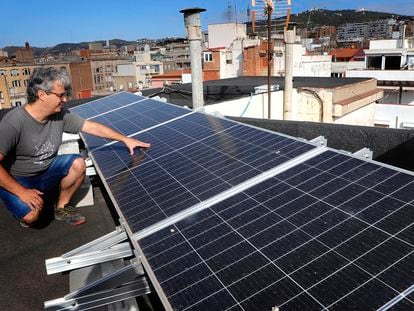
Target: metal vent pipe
x,y
192,23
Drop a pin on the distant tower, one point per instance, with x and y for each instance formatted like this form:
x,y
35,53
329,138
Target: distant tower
x,y
25,55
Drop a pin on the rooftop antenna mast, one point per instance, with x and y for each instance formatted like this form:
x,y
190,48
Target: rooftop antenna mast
x,y
275,11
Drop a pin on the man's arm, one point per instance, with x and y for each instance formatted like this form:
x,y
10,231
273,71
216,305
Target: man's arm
x,y
101,130
32,197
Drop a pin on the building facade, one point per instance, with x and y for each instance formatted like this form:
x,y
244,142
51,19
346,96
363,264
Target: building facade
x,y
15,78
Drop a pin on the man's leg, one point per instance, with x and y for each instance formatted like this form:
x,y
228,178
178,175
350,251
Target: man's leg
x,y
19,209
71,182
69,172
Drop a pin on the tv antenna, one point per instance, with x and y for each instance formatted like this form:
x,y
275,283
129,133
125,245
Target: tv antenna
x,y
277,13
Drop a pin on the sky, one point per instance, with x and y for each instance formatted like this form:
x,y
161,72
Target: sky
x,y
47,23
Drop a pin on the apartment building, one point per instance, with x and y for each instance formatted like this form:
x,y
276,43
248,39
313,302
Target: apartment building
x,y
15,77
136,75
391,63
175,55
358,32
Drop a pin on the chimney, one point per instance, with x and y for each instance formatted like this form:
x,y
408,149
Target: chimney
x,y
290,36
192,23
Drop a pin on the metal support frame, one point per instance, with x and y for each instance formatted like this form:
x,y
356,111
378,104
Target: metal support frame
x,y
105,248
320,141
364,153
124,283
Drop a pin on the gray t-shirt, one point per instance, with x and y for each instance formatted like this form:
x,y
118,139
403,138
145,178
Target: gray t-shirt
x,y
29,145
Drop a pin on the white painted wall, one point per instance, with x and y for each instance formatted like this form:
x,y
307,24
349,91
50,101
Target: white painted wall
x,y
125,69
342,67
255,106
313,66
363,116
394,115
236,68
304,108
186,77
223,35
305,65
384,75
386,44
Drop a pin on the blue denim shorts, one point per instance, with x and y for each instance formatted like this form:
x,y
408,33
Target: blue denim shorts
x,y
46,181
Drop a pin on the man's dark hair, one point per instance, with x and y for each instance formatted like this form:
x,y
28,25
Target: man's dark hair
x,y
43,78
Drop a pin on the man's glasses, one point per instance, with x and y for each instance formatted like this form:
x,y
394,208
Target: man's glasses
x,y
64,94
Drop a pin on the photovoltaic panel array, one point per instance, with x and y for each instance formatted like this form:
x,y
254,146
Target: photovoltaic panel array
x,y
332,233
135,114
191,159
106,104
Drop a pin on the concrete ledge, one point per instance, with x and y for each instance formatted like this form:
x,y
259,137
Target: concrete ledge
x,y
84,195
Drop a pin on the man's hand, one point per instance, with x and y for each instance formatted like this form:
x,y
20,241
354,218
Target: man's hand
x,y
32,197
132,143
103,131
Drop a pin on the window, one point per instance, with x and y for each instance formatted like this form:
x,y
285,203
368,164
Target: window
x,y
14,72
1,95
208,57
16,83
155,68
98,79
374,62
229,57
26,71
410,62
3,72
26,82
393,62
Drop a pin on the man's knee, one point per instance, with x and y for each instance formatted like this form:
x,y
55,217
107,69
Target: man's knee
x,y
78,167
31,217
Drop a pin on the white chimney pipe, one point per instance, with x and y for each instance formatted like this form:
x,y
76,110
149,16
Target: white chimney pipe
x,y
192,23
290,36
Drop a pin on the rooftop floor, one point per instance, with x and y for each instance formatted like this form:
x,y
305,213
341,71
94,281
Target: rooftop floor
x,y
24,284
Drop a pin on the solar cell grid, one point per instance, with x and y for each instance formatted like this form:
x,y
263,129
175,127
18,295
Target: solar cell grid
x,y
333,233
210,156
134,117
292,241
105,104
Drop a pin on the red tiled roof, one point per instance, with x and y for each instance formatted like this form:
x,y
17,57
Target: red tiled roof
x,y
344,53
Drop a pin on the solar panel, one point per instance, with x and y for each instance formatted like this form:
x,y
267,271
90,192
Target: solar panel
x,y
332,233
134,117
105,104
191,159
230,217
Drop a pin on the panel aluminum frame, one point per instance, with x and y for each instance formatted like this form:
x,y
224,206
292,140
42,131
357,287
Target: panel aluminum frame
x,y
127,282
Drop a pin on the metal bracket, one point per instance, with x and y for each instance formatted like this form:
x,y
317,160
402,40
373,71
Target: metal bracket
x,y
126,282
364,153
319,141
105,248
61,264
